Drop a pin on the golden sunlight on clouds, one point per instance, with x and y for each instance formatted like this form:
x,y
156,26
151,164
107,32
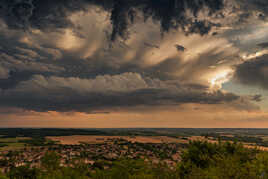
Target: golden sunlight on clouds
x,y
93,43
69,41
220,78
247,57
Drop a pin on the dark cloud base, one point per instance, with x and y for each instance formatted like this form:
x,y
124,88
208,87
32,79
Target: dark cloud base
x,y
50,15
104,93
254,72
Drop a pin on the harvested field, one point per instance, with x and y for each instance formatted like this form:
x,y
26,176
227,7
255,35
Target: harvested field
x,y
201,138
77,139
74,140
247,145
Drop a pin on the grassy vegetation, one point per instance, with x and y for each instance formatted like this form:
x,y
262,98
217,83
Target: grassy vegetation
x,y
21,142
12,146
37,142
12,143
12,140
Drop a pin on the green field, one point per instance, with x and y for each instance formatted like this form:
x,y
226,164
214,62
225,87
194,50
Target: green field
x,y
12,143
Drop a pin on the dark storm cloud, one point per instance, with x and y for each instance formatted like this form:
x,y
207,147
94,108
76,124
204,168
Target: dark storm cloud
x,y
180,48
39,14
257,98
49,14
104,92
170,13
19,61
249,6
254,72
263,45
14,78
43,77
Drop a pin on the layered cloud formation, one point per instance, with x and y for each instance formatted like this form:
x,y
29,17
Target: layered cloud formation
x,y
112,55
125,90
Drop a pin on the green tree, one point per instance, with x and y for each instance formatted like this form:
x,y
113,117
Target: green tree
x,y
50,161
23,172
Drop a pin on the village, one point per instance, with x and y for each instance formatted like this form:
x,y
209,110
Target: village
x,y
93,154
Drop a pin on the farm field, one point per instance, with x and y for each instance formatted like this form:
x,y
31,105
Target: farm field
x,y
77,139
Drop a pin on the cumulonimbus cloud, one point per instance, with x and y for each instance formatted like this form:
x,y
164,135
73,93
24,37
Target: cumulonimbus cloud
x,y
135,69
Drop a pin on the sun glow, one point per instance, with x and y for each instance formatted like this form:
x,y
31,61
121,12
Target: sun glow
x,y
220,78
247,57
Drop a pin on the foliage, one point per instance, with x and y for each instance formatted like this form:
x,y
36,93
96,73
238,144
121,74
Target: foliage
x,y
220,161
23,172
2,176
50,161
134,169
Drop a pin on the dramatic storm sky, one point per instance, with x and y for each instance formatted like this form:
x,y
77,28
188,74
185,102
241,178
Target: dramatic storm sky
x,y
133,63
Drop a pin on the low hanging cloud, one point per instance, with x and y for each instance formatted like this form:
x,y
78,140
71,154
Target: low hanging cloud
x,y
105,93
263,45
